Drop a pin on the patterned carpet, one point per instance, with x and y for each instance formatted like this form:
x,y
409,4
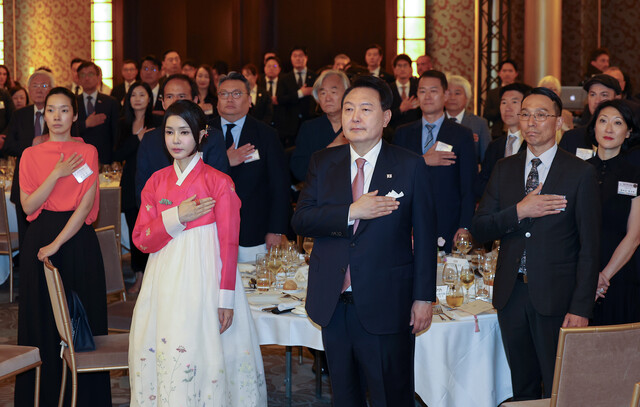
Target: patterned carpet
x,y
303,380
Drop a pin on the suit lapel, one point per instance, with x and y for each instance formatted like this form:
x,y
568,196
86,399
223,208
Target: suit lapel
x,y
247,133
417,140
555,173
340,174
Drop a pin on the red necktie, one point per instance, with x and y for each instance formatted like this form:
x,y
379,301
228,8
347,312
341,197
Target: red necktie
x,y
357,189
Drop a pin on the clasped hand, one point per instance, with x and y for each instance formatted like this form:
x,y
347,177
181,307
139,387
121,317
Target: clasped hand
x,y
371,206
192,208
535,205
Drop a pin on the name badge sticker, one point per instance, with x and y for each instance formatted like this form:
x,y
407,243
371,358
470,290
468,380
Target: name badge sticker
x,y
627,188
254,157
440,146
584,153
82,173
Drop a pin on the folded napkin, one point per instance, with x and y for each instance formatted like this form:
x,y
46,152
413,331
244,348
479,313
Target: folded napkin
x,y
283,306
302,275
246,267
260,307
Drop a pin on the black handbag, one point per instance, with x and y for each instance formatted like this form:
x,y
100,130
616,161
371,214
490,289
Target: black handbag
x,y
80,329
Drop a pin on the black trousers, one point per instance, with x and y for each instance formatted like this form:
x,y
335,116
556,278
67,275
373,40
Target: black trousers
x,y
360,361
530,342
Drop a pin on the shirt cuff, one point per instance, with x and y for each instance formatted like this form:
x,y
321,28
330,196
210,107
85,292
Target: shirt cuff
x,y
300,94
350,222
226,299
171,222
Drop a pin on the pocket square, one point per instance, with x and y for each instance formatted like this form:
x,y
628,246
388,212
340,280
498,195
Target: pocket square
x,y
394,194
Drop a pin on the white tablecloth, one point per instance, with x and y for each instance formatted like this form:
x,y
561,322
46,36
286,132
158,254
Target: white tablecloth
x,y
454,366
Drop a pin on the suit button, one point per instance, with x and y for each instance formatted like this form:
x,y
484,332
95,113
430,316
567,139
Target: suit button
x,y
352,245
528,234
344,270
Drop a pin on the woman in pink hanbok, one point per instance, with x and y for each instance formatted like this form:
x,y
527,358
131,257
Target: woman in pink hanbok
x,y
192,338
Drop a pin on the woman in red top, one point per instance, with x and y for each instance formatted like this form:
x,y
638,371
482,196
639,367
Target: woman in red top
x,y
59,194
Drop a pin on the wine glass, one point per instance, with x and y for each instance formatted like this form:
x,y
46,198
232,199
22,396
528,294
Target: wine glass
x,y
463,242
467,279
274,264
455,297
489,272
450,274
307,245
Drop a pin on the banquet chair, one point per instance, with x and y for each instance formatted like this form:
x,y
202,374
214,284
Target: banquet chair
x,y
635,399
111,350
18,359
119,313
8,240
109,213
595,366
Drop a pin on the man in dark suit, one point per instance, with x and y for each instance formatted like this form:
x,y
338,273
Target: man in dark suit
x,y
447,148
543,205
97,113
600,88
129,75
261,107
367,286
153,155
511,97
373,56
294,93
508,73
258,169
405,108
150,74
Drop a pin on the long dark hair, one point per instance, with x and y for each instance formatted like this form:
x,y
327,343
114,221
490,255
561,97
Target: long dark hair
x,y
211,92
8,83
129,114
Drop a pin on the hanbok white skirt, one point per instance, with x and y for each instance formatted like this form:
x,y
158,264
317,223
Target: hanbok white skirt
x,y
177,356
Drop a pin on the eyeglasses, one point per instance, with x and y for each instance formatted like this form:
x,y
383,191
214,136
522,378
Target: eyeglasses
x,y
235,94
87,75
40,85
147,69
537,116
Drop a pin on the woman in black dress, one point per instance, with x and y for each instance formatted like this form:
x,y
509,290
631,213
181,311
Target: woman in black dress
x,y
618,292
138,119
60,195
207,94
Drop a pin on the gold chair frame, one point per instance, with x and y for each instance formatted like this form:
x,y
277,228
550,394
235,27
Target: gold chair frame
x,y
5,235
635,399
25,368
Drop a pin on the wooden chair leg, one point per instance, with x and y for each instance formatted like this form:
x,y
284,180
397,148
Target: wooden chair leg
x,y
36,395
64,383
74,388
10,277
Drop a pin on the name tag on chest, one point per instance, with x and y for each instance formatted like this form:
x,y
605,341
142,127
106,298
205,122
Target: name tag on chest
x,y
82,173
627,188
584,153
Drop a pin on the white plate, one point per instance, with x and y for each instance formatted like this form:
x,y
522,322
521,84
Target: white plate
x,y
293,292
299,312
246,267
257,299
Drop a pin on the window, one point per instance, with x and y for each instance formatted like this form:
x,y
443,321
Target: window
x,y
102,38
412,29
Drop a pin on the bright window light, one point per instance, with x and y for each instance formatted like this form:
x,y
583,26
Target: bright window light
x,y
411,33
102,38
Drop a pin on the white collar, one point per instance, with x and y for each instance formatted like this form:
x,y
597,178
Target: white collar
x,y
371,157
93,95
546,157
458,118
183,175
518,134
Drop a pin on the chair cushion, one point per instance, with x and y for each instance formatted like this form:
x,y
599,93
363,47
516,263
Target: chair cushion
x,y
528,403
111,353
14,242
120,314
14,358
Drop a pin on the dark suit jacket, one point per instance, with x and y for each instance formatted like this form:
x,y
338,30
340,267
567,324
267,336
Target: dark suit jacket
x,y
495,152
398,118
263,109
297,109
386,76
574,139
386,274
491,112
6,110
479,126
118,92
452,185
314,135
102,137
152,155
563,250
20,136
261,185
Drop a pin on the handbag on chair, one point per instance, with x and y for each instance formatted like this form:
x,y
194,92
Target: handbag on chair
x,y
80,329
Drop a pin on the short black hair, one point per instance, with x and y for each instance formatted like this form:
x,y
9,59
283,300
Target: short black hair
x,y
508,61
234,76
300,48
221,67
189,62
375,83
557,102
251,68
372,46
61,90
192,114
182,77
167,52
432,73
17,89
597,52
88,64
130,61
75,61
626,111
518,87
275,58
401,57
152,59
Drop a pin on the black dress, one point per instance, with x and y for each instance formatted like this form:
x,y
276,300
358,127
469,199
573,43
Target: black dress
x,y
621,304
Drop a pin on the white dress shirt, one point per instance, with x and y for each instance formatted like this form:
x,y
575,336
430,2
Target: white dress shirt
x,y
155,91
543,169
371,158
94,99
516,144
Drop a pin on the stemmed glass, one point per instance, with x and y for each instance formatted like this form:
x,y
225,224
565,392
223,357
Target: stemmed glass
x,y
463,242
455,297
307,245
467,279
488,271
450,274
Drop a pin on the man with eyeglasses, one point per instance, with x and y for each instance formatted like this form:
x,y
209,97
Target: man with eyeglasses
x,y
150,74
257,166
26,124
98,113
543,204
153,155
129,74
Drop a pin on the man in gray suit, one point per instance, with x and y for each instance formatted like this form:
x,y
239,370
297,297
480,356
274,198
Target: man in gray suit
x,y
459,97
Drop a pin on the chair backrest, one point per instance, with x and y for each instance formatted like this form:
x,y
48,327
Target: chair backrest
x,y
596,366
110,208
4,220
112,261
59,304
635,399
